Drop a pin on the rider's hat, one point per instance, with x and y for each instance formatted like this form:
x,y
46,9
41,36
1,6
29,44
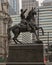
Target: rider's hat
x,y
21,10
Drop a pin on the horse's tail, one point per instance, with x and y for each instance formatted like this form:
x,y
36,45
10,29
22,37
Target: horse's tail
x,y
8,32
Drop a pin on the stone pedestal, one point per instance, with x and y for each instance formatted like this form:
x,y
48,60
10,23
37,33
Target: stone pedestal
x,y
25,54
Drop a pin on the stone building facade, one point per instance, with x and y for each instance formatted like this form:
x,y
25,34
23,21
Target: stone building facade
x,y
5,22
47,3
45,21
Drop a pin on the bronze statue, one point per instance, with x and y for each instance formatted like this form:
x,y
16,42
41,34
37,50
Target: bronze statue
x,y
17,29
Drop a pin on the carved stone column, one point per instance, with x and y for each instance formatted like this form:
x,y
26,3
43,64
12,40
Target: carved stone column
x,y
5,20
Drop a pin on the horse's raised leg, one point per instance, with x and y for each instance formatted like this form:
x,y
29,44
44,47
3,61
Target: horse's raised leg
x,y
42,30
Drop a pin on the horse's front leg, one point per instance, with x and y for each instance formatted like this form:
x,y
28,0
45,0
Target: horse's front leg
x,y
36,35
42,30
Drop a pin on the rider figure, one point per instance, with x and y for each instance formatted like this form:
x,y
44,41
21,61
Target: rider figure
x,y
22,15
23,19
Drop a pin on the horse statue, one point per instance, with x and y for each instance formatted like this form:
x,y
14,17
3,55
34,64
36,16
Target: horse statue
x,y
17,29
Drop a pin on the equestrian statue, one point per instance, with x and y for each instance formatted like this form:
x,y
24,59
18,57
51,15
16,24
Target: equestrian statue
x,y
26,25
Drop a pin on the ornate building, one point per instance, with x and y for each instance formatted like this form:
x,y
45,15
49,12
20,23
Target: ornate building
x,y
5,22
47,3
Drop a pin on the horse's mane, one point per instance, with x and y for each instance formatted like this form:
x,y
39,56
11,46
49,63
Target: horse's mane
x,y
31,14
28,16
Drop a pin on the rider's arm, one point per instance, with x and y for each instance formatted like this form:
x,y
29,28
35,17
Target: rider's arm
x,y
24,11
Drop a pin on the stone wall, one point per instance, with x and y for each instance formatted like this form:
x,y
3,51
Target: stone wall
x,y
5,21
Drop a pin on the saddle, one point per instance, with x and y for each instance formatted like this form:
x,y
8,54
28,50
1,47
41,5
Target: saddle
x,y
24,24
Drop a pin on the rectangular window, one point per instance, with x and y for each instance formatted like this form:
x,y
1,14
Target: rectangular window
x,y
14,5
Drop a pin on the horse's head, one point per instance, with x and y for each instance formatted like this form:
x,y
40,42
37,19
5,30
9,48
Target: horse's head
x,y
31,14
